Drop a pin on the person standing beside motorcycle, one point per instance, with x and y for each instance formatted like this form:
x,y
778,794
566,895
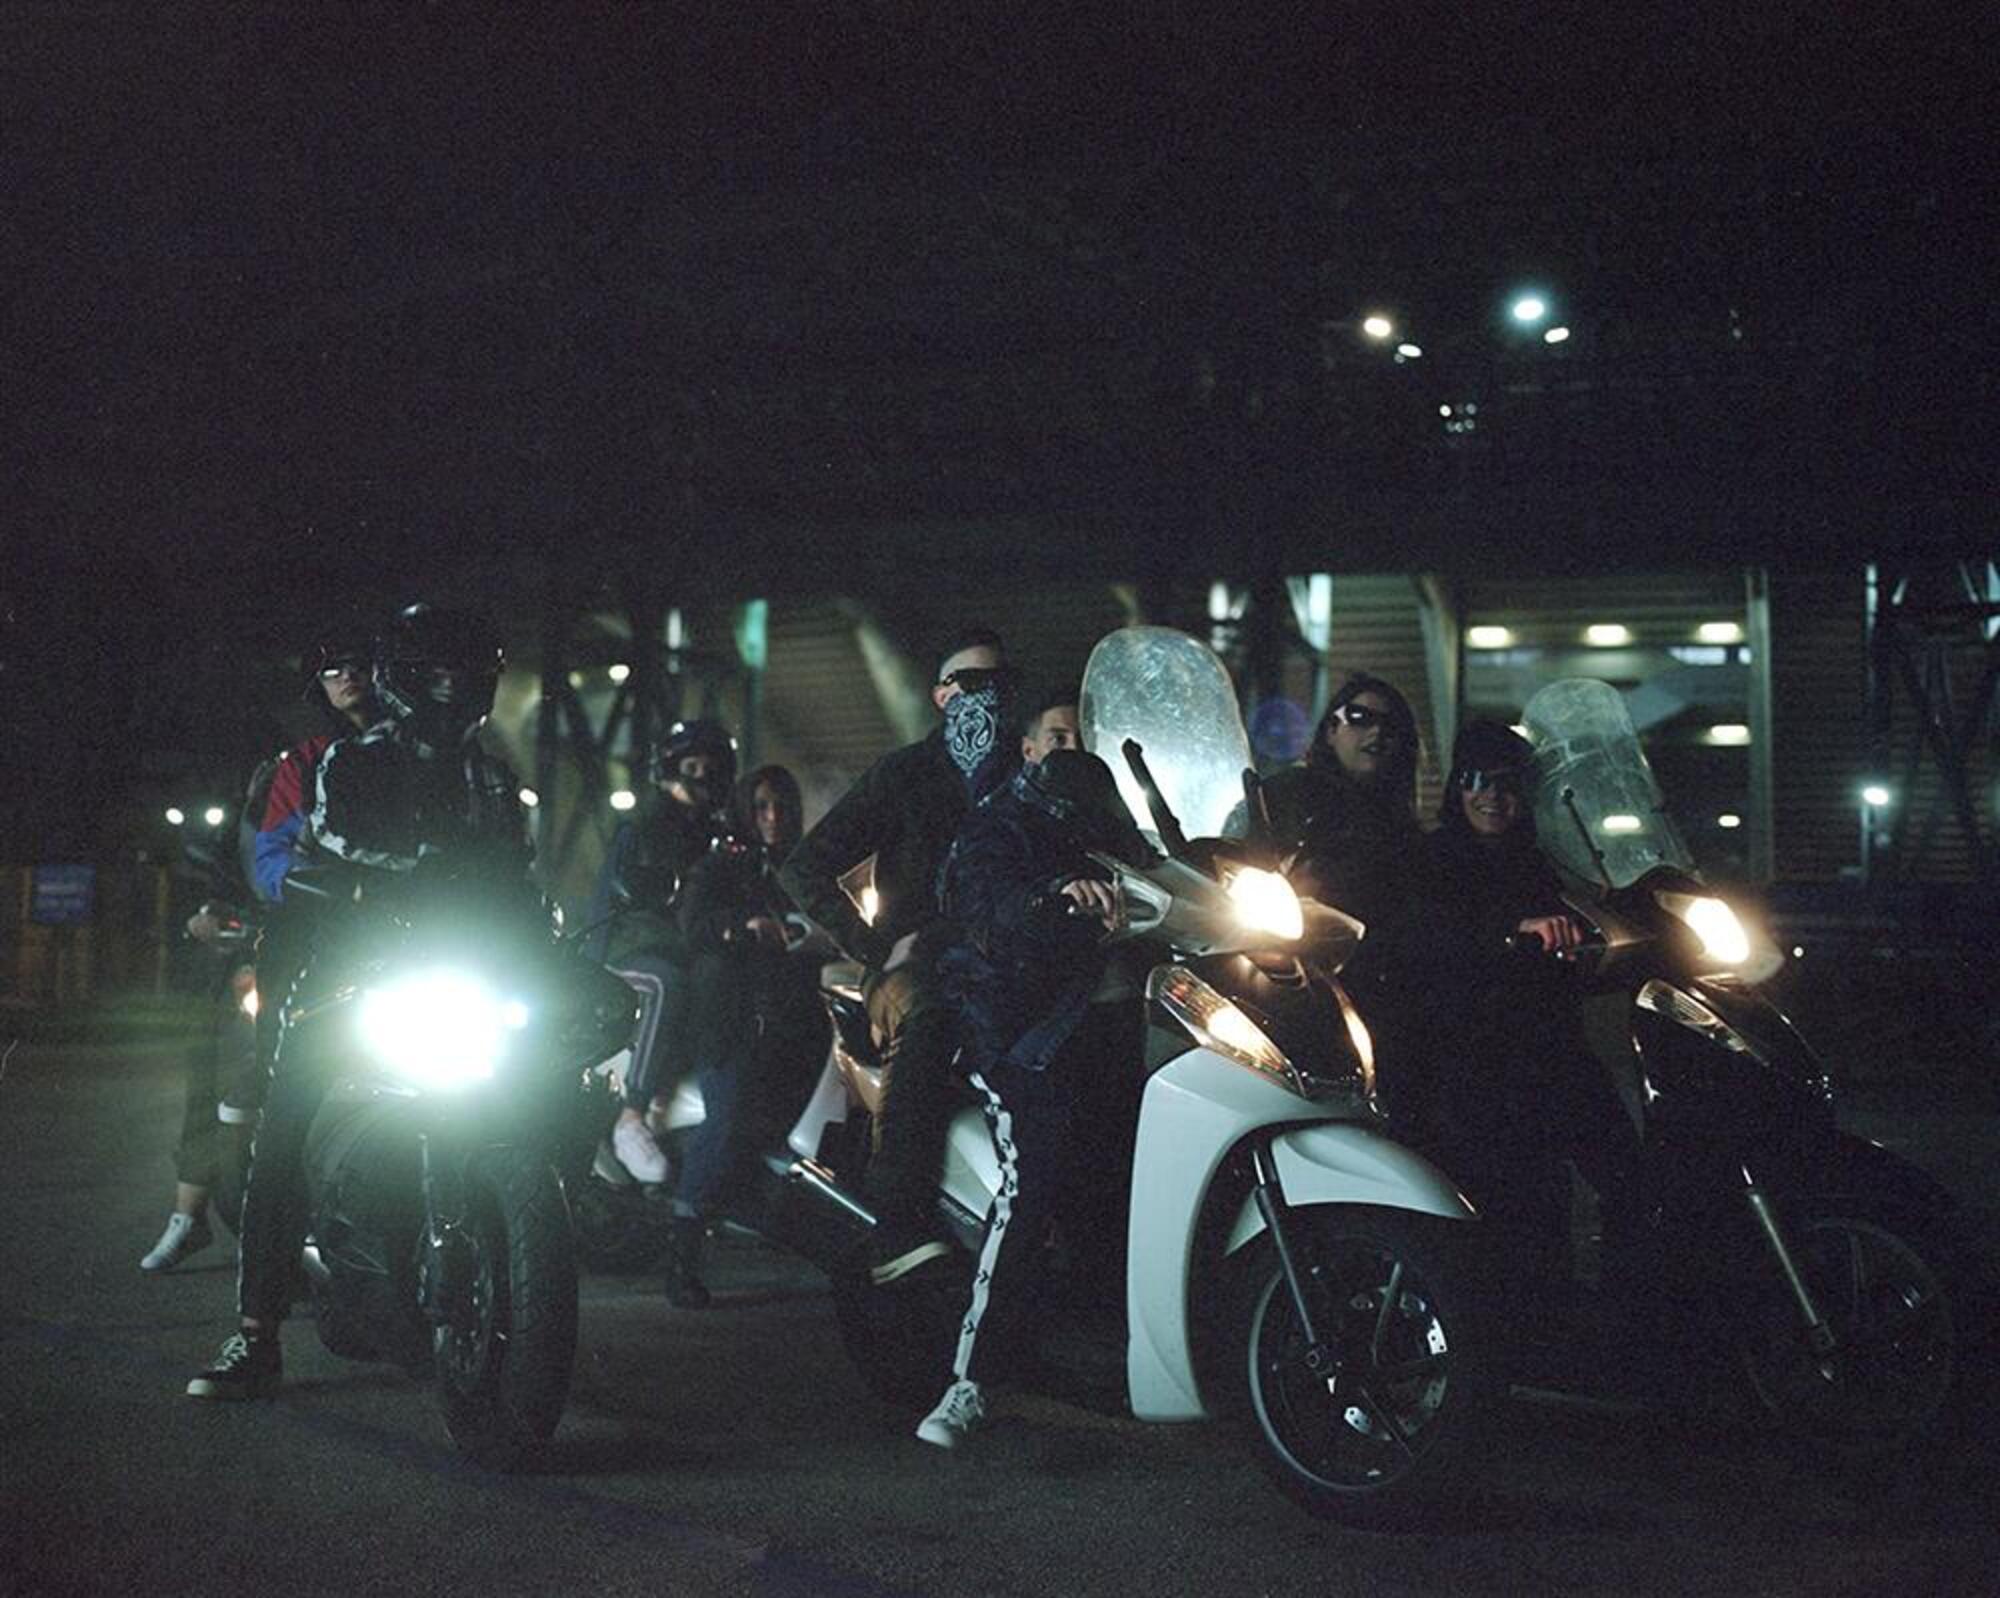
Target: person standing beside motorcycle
x,y
691,768
416,789
219,925
904,811
1028,908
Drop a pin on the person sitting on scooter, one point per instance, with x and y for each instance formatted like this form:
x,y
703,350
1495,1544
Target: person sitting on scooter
x,y
904,812
1520,1091
792,1024
691,768
1347,818
729,940
1028,907
414,789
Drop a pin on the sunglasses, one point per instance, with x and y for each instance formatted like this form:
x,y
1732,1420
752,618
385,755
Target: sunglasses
x,y
1364,717
343,668
1500,781
970,679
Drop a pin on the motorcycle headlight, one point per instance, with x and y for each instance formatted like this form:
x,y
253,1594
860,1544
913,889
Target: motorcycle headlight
x,y
1711,920
1266,902
439,1030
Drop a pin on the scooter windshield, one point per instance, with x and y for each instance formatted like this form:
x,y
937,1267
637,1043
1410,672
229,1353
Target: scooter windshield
x,y
1170,693
1598,810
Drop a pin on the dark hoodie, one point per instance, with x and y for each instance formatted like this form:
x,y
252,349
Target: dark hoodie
x,y
1496,882
1021,968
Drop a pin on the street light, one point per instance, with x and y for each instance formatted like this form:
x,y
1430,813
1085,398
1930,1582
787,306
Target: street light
x,y
1607,635
1556,335
213,815
618,672
1487,637
1530,309
530,798
1377,327
1410,352
1875,795
623,799
175,815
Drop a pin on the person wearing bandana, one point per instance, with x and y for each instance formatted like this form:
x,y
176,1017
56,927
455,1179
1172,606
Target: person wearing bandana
x,y
904,812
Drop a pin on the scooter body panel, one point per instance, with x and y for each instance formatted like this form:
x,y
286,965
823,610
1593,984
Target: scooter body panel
x,y
1196,1110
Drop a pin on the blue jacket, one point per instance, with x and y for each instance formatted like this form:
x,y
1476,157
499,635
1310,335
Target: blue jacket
x,y
1020,969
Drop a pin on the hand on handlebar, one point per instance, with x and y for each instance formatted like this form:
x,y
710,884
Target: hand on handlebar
x,y
1089,897
1561,936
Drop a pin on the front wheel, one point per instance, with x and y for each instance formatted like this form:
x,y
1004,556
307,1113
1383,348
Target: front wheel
x,y
506,1353
1365,1426
1888,1379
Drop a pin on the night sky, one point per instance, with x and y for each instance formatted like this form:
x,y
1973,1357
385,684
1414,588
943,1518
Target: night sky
x,y
375,300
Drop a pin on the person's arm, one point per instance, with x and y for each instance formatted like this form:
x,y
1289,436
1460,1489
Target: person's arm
x,y
855,828
1008,898
280,828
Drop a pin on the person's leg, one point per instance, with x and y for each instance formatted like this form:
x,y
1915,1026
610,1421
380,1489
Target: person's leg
x,y
187,1229
276,1218
660,986
1030,1119
921,1092
710,1162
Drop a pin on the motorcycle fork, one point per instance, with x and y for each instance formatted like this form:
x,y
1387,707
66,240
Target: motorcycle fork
x,y
1319,1358
1819,1335
447,1266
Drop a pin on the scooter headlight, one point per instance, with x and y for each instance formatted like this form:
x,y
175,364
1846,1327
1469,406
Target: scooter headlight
x,y
1216,1023
1266,902
439,1030
1711,920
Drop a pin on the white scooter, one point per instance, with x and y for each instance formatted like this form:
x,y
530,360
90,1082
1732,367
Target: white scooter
x,y
1288,1261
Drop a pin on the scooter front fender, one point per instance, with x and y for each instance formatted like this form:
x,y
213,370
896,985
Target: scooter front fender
x,y
1196,1110
1344,1163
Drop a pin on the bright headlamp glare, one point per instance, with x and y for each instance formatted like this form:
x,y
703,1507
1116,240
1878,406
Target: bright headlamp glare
x,y
439,1030
1711,920
1266,902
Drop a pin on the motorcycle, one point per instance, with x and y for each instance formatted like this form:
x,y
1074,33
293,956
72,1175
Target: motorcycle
x,y
464,1033
1824,1272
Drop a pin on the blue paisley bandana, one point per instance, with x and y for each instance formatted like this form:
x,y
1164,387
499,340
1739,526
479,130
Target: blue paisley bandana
x,y
972,729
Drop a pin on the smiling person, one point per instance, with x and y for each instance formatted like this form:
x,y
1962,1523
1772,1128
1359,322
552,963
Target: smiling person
x,y
1519,1091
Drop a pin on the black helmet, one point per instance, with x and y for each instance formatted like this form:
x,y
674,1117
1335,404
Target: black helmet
x,y
700,736
437,669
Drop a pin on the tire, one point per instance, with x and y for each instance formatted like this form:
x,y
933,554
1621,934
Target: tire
x,y
901,1337
503,1363
1889,1292
1398,1313
619,1231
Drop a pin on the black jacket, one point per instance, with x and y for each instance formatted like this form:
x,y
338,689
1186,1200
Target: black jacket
x,y
383,801
641,879
1020,969
904,811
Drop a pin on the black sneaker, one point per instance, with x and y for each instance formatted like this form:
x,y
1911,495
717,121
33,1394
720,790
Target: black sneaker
x,y
247,1367
898,1248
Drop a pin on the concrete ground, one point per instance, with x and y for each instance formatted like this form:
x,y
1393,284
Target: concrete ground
x,y
734,1451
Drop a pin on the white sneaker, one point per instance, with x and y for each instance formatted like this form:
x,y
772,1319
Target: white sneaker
x,y
185,1235
637,1151
961,1410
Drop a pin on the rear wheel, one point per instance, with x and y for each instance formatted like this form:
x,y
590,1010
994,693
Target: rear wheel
x,y
1889,1378
504,1358
1365,1426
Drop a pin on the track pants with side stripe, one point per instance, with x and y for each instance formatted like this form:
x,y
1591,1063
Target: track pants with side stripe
x,y
1063,1137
